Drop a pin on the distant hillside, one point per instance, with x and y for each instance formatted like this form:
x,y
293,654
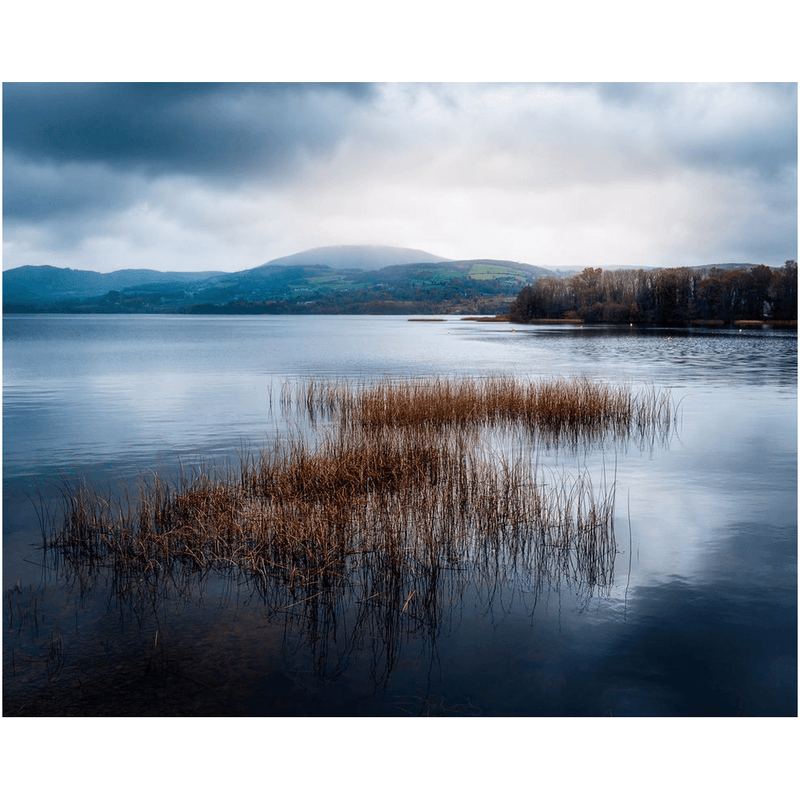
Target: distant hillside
x,y
46,283
324,280
363,257
511,273
565,271
727,266
349,283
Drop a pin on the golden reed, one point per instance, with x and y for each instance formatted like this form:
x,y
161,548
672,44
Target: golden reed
x,y
397,483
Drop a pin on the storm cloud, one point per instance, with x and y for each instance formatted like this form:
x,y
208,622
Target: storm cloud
x,y
228,176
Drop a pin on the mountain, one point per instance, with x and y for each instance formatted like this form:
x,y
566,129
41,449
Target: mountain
x,y
363,257
356,280
46,283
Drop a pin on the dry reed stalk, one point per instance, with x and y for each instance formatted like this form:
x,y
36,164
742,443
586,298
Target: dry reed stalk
x,y
561,409
402,488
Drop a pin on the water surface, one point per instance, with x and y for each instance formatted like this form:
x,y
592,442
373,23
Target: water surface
x,y
700,618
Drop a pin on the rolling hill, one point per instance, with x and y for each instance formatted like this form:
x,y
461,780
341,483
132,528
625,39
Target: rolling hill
x,y
47,284
362,279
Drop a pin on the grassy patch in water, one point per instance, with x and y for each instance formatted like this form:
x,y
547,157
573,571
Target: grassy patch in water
x,y
397,488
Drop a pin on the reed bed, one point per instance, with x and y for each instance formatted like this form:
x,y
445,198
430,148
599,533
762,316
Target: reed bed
x,y
394,499
558,410
400,496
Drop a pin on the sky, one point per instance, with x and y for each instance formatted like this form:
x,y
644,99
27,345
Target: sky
x,y
227,176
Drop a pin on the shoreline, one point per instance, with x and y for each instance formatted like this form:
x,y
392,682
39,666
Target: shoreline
x,y
694,323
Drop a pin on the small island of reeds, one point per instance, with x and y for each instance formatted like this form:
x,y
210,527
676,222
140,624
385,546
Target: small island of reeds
x,y
394,484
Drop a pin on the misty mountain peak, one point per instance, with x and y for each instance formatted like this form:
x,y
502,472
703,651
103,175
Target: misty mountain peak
x,y
363,257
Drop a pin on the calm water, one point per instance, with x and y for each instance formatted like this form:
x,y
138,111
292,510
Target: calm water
x,y
700,618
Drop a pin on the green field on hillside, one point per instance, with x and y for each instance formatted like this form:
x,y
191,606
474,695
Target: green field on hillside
x,y
489,272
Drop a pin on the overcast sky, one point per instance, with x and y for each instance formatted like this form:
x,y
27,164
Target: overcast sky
x,y
228,176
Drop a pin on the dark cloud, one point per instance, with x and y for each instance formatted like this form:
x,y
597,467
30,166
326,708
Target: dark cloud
x,y
730,127
211,129
75,151
41,189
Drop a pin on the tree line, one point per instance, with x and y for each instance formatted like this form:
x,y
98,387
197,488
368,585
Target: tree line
x,y
673,296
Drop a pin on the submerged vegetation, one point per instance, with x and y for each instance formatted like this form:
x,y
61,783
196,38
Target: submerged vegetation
x,y
395,484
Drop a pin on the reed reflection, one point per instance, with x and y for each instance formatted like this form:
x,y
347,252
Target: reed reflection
x,y
367,531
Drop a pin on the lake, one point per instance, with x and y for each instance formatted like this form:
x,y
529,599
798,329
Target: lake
x,y
696,615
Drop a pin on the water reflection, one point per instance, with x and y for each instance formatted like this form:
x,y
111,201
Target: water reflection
x,y
371,535
697,613
673,356
308,649
705,649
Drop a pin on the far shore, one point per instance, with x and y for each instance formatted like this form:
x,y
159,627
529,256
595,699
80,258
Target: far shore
x,y
695,323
